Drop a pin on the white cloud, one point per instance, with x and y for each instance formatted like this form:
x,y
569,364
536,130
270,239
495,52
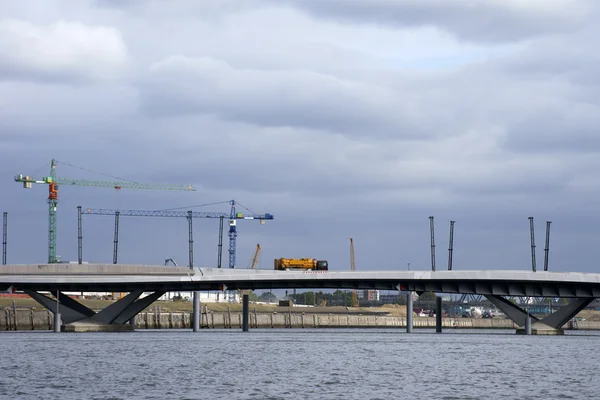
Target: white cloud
x,y
60,51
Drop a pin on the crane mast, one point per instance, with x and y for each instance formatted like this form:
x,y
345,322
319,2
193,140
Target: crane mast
x,y
53,182
233,216
52,206
232,235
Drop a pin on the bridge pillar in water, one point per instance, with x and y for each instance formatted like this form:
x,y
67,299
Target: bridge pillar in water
x,y
57,322
528,324
196,317
438,314
409,312
245,311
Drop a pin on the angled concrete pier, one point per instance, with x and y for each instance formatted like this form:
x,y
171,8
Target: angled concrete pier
x,y
531,325
78,318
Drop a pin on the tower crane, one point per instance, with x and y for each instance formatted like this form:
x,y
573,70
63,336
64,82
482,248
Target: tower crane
x,y
53,182
233,217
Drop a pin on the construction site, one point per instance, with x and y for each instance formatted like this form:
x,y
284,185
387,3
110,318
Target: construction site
x,y
347,302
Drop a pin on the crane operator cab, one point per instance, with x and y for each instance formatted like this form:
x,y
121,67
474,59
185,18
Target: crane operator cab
x,y
322,265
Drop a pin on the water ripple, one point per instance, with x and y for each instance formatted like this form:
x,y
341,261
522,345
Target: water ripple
x,y
292,364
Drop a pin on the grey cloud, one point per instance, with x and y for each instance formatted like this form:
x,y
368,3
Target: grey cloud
x,y
181,9
334,160
560,129
485,21
181,85
561,60
314,179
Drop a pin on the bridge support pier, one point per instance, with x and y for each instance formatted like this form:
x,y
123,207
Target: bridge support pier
x,y
196,321
438,314
528,324
245,311
57,322
78,318
549,325
409,312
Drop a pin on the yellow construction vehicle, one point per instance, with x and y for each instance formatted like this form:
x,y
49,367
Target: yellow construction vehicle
x,y
301,263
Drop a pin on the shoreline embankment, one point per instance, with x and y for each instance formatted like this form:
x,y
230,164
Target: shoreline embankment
x,y
30,319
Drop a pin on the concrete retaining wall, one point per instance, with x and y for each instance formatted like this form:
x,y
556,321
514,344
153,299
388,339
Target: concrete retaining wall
x,y
27,319
12,319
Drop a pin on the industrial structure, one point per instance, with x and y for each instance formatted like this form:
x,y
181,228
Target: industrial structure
x,y
532,235
465,297
233,217
255,257
355,296
4,236
546,247
53,183
432,235
530,300
451,245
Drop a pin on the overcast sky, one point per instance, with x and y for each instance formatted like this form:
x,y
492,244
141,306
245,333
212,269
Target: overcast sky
x,y
343,118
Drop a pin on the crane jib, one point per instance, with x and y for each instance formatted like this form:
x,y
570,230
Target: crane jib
x,y
53,184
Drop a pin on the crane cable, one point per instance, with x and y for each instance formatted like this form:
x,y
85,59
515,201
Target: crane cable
x,y
94,172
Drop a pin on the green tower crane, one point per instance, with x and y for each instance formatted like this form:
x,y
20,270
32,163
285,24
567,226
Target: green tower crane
x,y
52,181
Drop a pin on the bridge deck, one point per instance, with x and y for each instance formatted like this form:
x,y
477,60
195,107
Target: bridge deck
x,y
109,277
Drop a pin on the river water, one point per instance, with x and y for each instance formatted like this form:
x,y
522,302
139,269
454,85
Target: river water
x,y
299,364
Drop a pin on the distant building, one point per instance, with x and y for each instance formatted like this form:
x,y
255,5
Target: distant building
x,y
369,295
205,297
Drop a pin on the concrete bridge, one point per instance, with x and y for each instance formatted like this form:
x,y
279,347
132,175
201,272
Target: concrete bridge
x,y
582,288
